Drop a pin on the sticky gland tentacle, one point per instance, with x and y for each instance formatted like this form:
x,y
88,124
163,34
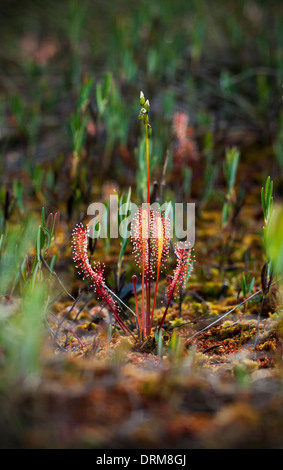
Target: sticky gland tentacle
x,y
160,231
79,241
185,262
140,235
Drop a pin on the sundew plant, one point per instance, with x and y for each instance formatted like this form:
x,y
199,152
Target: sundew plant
x,y
150,234
113,334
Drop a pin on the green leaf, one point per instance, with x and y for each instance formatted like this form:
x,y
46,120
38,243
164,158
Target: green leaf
x,y
274,240
159,341
232,162
107,85
37,266
263,203
99,98
267,199
85,94
43,217
23,269
52,262
225,214
39,243
251,285
47,239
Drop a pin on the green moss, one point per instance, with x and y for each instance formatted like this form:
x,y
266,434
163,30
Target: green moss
x,y
214,289
176,322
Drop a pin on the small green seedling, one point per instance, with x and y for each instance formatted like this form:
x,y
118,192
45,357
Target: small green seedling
x,y
230,167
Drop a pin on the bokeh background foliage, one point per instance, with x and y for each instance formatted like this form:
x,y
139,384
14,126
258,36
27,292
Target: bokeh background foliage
x,y
70,77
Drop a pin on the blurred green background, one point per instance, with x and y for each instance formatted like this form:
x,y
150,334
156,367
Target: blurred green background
x,y
218,62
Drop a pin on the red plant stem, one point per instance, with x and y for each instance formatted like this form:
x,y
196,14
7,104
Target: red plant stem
x,y
75,335
147,165
166,309
117,318
148,314
143,297
147,297
134,279
155,294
